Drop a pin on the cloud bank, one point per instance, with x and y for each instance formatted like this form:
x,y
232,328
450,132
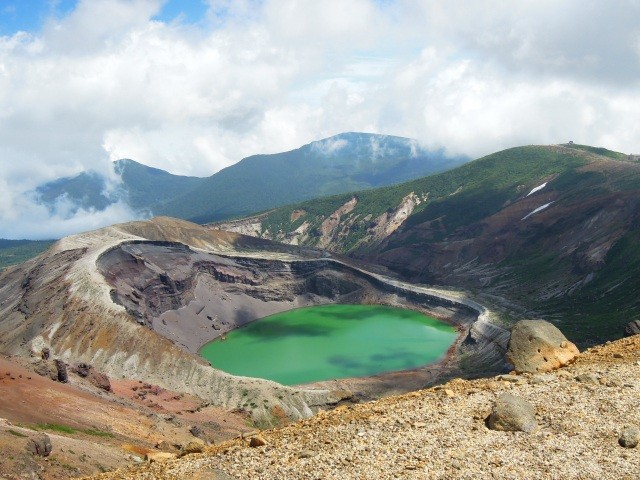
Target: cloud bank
x,y
108,81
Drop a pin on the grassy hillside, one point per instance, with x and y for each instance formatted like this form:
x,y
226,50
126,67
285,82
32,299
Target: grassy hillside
x,y
147,188
461,195
13,252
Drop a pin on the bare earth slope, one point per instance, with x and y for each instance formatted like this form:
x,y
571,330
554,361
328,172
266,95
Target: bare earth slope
x,y
440,433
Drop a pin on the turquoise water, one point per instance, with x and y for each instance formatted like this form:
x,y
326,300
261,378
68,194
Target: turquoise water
x,y
331,341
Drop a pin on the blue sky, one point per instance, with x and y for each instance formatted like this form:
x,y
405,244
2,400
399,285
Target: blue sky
x,y
193,86
30,15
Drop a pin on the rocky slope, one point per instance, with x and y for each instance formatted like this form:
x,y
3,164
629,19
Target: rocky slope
x,y
537,231
440,433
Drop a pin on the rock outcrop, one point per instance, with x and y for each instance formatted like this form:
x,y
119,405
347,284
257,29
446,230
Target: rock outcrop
x,y
40,445
94,377
538,346
61,369
632,328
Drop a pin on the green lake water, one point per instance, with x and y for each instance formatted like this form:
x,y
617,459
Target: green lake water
x,y
331,341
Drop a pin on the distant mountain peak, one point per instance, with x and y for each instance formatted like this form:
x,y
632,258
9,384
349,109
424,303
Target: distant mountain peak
x,y
344,162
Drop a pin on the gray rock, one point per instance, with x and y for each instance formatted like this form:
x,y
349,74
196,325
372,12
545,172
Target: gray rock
x,y
82,369
588,378
537,346
632,328
511,413
61,367
538,379
306,454
629,437
40,445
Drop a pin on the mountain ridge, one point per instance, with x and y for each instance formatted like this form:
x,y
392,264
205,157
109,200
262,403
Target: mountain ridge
x,y
335,164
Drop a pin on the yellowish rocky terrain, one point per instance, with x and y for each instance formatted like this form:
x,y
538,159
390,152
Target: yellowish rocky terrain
x,y
440,432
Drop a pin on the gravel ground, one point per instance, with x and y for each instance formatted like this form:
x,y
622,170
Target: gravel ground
x,y
440,433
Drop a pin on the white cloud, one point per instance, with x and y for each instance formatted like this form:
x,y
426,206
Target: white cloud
x,y
330,146
108,81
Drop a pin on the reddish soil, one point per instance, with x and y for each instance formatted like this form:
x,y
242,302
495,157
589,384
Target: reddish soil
x,y
102,430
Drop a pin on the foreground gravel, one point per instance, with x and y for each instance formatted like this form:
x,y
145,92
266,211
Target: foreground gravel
x,y
440,433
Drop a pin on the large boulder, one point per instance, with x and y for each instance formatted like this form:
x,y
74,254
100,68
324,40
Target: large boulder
x,y
512,414
632,328
538,346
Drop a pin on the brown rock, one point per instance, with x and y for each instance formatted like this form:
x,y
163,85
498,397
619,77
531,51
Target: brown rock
x,y
538,346
511,413
194,446
163,445
99,380
257,441
153,457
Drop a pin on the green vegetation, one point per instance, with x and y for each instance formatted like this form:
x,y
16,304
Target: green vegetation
x,y
147,188
13,252
460,196
598,151
55,427
16,434
143,188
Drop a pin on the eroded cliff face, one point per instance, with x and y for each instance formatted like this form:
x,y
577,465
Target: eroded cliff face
x,y
332,231
192,297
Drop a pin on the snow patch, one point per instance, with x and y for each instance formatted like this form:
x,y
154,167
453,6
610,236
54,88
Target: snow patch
x,y
537,189
539,209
